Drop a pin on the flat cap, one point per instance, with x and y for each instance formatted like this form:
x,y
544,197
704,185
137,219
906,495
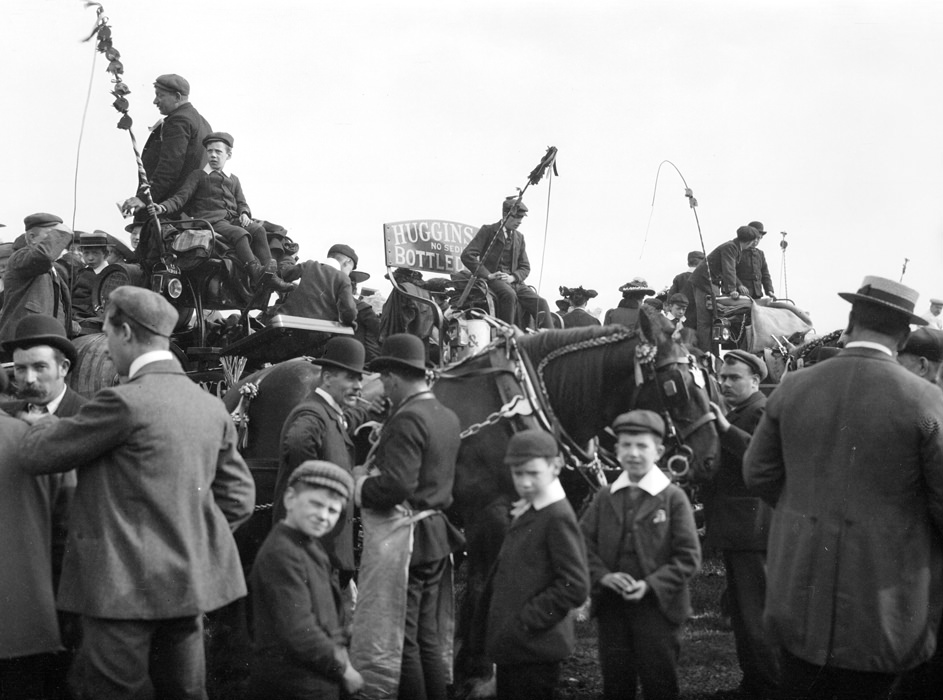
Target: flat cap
x,y
148,309
171,82
695,256
754,362
747,233
531,443
678,298
218,136
934,300
41,219
344,249
512,202
925,342
321,474
639,421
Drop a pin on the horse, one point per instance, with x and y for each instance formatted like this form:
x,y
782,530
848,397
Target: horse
x,y
573,382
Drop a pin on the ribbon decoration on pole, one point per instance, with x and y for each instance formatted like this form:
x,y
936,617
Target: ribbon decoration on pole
x,y
549,160
102,32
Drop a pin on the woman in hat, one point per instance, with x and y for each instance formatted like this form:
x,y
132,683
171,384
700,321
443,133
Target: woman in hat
x,y
626,313
578,316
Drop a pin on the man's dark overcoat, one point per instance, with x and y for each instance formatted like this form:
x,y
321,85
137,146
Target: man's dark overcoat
x,y
577,318
173,150
850,452
753,273
723,262
160,484
323,292
484,266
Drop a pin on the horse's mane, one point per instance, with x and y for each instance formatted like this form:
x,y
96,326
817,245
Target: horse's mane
x,y
539,345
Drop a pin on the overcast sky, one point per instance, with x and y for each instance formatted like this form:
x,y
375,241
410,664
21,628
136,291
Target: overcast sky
x,y
819,118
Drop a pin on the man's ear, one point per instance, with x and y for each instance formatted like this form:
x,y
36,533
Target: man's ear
x,y
660,449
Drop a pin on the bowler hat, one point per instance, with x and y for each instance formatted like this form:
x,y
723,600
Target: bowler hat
x,y
678,298
99,239
530,443
344,353
134,225
41,219
925,342
401,351
758,226
752,361
637,285
343,249
148,309
218,136
639,421
171,82
356,276
319,473
889,294
38,329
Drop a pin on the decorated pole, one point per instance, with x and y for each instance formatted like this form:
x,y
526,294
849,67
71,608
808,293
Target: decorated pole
x,y
102,33
549,160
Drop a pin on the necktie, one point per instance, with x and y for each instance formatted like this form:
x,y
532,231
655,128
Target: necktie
x,y
37,410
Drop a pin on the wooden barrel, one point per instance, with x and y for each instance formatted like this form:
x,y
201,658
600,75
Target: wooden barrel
x,y
94,369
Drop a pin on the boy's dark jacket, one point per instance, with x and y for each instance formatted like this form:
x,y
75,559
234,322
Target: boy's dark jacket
x,y
665,539
540,576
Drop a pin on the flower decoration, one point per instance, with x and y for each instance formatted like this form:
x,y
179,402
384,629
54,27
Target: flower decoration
x,y
105,46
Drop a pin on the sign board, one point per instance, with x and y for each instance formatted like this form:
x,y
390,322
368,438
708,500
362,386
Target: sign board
x,y
427,244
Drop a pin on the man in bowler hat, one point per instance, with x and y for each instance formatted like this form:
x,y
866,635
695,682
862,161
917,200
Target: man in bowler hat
x,y
175,147
850,454
160,488
752,270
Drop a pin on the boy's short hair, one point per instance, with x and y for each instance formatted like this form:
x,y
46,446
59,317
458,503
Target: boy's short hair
x,y
318,474
640,421
529,444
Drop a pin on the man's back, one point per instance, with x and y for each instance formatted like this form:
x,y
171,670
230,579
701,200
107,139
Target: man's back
x,y
851,452
323,292
160,483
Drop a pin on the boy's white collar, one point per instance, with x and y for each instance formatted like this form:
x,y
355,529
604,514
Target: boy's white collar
x,y
653,483
208,169
553,493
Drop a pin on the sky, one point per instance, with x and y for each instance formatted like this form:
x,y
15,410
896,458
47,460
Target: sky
x,y
819,118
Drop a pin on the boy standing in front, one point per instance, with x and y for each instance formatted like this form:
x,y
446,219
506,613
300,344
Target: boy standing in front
x,y
643,549
540,575
300,640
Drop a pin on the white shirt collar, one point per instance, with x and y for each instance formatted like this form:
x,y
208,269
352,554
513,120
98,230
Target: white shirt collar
x,y
653,483
553,493
332,262
207,169
146,359
104,264
870,346
330,399
53,405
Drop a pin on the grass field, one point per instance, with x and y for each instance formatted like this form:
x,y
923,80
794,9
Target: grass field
x,y
708,667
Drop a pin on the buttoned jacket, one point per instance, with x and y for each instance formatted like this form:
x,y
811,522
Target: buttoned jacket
x,y
173,150
31,286
212,196
736,518
753,273
482,260
665,541
160,484
850,453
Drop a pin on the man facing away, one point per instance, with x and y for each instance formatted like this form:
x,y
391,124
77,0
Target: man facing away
x,y
752,270
850,454
498,254
160,485
324,289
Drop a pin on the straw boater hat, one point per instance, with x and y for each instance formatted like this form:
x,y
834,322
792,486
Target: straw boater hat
x,y
401,351
888,294
37,329
637,285
342,353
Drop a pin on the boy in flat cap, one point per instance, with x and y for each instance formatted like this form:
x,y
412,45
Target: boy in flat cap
x,y
540,575
213,194
643,550
300,638
174,148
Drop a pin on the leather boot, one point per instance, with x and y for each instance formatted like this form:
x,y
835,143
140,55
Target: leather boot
x,y
277,284
255,271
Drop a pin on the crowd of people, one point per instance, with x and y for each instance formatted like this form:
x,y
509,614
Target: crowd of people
x,y
117,511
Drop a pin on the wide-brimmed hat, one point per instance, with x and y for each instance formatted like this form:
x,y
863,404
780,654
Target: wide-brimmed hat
x,y
401,350
637,285
98,239
120,247
344,353
38,329
889,294
570,292
356,276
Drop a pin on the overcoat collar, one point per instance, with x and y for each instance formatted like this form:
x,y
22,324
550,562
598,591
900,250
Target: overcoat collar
x,y
171,366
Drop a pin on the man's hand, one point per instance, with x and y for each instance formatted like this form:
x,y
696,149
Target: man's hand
x,y
352,681
735,294
131,205
502,277
244,219
637,593
723,425
156,209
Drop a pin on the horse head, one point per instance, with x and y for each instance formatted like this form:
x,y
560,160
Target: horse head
x,y
672,383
